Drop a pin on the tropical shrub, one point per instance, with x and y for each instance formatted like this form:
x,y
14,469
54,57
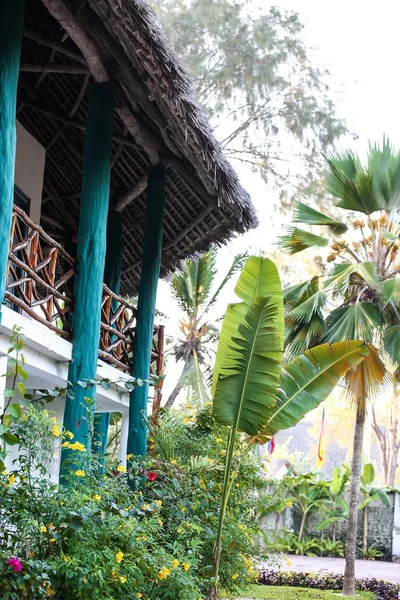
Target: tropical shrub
x,y
97,537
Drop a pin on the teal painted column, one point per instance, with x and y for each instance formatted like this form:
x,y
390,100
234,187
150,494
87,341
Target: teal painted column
x,y
11,24
151,262
91,251
112,278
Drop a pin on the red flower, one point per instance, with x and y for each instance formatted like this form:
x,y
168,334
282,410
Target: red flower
x,y
151,476
15,564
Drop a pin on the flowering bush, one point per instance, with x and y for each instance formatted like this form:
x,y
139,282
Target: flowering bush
x,y
143,533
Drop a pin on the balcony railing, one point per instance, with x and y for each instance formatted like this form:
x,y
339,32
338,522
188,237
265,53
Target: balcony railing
x,y
40,283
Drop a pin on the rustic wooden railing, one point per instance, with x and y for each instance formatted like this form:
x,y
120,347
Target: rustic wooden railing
x,y
39,275
39,284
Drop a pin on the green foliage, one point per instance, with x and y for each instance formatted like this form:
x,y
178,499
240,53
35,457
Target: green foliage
x,y
100,538
297,240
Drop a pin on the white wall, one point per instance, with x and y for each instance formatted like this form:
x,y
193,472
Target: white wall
x,y
29,169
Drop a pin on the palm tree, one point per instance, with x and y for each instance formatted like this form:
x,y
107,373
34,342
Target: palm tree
x,y
193,288
363,287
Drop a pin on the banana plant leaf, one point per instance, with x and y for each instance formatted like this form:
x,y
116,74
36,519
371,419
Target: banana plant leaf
x,y
259,277
309,379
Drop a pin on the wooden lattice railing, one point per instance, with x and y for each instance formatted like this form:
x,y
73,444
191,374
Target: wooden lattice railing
x,y
39,275
39,284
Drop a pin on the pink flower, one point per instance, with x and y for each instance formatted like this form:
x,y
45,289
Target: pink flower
x,y
151,476
15,564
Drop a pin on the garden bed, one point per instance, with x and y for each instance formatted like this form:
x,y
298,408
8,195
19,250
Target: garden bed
x,y
255,592
380,590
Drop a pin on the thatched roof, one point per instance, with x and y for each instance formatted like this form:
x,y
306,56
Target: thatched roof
x,y
68,44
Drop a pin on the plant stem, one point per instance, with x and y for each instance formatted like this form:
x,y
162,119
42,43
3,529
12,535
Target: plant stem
x,y
213,593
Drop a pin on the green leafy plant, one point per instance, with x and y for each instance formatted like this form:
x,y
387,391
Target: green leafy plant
x,y
369,493
252,394
307,496
363,287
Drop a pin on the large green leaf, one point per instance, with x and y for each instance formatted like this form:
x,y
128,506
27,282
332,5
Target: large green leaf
x,y
304,312
250,368
367,474
296,294
309,379
350,183
342,276
310,216
259,277
357,321
384,165
390,291
298,240
391,343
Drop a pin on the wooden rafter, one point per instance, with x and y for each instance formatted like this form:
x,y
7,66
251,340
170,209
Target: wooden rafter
x,y
53,68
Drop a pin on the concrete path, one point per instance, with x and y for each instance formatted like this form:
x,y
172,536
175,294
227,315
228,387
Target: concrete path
x,y
364,568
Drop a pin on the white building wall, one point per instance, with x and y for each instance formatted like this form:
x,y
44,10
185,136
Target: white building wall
x,y
29,169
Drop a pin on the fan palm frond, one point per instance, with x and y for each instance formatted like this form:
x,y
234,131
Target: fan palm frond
x,y
309,216
297,240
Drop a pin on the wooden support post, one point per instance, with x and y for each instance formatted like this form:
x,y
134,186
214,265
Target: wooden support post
x,y
90,265
151,263
112,279
11,23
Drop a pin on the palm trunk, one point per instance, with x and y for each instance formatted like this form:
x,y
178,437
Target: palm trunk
x,y
334,532
365,531
351,537
175,392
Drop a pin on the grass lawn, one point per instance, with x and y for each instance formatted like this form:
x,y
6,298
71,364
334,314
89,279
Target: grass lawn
x,y
272,592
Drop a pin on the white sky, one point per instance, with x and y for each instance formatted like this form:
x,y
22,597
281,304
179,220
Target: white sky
x,y
359,43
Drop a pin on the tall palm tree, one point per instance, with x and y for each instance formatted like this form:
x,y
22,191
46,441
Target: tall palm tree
x,y
360,297
196,292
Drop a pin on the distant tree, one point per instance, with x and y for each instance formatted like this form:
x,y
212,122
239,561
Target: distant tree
x,y
255,77
196,293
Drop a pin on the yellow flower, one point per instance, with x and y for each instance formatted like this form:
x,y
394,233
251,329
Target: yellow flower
x,y
223,452
51,526
183,509
129,456
289,503
11,479
175,563
186,566
66,445
80,473
46,414
114,574
173,462
121,469
119,556
84,580
43,529
96,497
159,502
52,540
139,595
163,574
77,446
179,530
54,419
219,440
210,461
161,523
122,579
4,472
145,506
55,431
235,576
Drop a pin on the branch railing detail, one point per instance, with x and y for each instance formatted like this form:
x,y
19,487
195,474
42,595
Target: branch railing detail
x,y
39,283
39,275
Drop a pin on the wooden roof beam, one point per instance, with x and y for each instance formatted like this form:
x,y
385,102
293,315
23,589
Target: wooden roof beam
x,y
61,48
131,195
53,68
